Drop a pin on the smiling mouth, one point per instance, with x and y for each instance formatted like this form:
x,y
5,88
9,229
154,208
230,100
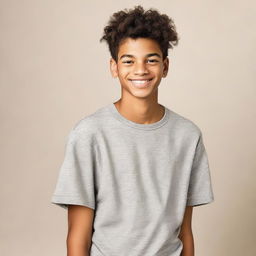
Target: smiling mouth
x,y
140,83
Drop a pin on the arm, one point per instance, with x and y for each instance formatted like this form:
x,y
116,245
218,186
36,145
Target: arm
x,y
80,223
186,235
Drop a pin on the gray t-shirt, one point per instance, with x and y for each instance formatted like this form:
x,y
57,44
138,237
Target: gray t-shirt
x,y
139,178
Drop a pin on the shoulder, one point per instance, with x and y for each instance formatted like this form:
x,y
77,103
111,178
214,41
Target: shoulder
x,y
185,126
88,126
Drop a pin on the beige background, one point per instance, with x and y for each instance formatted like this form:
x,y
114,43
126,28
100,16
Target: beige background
x,y
54,71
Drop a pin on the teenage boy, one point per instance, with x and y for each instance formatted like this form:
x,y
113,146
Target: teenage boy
x,y
134,169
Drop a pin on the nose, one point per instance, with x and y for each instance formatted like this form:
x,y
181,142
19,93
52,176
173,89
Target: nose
x,y
140,69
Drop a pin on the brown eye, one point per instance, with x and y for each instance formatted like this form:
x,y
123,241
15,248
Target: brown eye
x,y
153,60
127,61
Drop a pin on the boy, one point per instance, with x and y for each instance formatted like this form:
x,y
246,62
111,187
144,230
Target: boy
x,y
134,169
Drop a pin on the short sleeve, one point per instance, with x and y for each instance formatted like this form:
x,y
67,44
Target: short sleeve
x,y
200,190
75,183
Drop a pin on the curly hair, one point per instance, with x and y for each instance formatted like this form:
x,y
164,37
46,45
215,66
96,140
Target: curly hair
x,y
137,23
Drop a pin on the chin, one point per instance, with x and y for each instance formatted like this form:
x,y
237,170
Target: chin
x,y
141,94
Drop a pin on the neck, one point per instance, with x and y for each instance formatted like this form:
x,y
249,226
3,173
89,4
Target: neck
x,y
141,112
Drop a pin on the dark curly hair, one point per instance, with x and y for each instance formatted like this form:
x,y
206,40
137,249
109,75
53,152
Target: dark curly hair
x,y
137,23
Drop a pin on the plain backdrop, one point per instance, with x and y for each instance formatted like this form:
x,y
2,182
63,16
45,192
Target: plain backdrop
x,y
54,71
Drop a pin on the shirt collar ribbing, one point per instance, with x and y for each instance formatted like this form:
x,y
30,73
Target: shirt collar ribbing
x,y
130,123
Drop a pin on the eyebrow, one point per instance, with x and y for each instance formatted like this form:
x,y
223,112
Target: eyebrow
x,y
148,55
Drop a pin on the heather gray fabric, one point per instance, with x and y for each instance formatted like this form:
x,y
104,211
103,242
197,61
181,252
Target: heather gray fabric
x,y
138,178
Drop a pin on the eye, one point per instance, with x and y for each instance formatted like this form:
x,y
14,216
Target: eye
x,y
127,61
153,60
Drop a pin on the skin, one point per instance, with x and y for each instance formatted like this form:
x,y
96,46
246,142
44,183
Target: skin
x,y
80,227
139,105
186,234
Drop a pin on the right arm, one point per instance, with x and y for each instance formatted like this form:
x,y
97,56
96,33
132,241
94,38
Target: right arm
x,y
80,224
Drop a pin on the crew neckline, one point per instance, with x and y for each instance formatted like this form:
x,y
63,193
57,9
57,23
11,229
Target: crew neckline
x,y
130,123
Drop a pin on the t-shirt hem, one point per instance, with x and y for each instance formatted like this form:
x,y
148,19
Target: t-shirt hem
x,y
65,200
197,201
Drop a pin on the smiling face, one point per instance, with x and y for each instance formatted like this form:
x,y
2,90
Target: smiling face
x,y
140,67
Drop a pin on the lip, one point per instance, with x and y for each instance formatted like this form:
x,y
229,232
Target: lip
x,y
141,86
141,79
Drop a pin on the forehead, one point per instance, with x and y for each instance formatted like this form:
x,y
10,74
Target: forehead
x,y
139,47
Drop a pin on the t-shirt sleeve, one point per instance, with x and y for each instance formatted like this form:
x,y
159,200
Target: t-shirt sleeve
x,y
200,190
75,183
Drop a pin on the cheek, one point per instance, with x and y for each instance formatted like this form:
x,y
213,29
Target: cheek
x,y
123,72
159,71
156,69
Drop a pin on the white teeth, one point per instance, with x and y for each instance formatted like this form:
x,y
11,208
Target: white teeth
x,y
139,81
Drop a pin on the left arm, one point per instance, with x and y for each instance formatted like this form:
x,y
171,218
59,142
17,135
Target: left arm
x,y
186,234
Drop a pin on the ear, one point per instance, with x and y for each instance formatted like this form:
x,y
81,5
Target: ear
x,y
166,66
113,68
